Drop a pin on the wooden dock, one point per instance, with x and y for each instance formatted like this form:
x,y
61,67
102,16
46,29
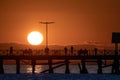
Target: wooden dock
x,y
96,58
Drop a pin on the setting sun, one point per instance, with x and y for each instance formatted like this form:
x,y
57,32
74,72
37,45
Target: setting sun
x,y
35,38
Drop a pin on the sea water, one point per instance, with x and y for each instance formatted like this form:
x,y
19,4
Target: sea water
x,y
59,77
40,68
26,71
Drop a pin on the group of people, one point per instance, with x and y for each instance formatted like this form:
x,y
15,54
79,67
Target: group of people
x,y
71,50
82,52
66,51
25,52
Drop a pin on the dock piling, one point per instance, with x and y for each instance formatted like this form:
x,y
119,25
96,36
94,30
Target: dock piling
x,y
50,65
33,66
1,67
67,71
99,62
17,66
84,69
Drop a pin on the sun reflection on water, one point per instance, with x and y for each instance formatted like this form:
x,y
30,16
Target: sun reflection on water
x,y
38,68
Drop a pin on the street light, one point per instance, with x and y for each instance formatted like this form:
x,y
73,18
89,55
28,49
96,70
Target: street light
x,y
46,23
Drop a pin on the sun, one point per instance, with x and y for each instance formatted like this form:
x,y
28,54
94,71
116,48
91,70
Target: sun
x,y
35,38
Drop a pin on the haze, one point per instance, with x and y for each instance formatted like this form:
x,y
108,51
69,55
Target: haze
x,y
76,21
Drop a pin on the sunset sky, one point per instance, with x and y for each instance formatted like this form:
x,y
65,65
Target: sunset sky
x,y
76,21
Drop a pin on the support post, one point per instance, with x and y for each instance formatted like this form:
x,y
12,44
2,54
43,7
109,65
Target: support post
x,y
80,67
17,66
1,67
50,65
33,66
115,67
67,71
105,60
46,23
99,62
84,69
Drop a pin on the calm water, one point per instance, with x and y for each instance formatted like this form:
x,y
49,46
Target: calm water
x,y
40,68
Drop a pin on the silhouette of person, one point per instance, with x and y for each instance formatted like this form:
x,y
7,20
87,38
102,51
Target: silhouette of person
x,y
66,50
46,51
72,50
30,52
80,52
95,49
11,50
85,52
25,51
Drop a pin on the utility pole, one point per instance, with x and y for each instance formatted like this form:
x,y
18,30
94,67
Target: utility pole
x,y
46,23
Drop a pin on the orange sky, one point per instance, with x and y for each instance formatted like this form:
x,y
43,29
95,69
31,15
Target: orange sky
x,y
76,21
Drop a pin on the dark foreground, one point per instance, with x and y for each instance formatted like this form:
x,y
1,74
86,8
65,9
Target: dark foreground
x,y
59,77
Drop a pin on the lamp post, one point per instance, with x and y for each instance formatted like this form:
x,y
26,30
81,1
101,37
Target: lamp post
x,y
46,23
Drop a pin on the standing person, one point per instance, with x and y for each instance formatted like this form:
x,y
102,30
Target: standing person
x,y
30,52
66,50
80,52
72,49
47,51
11,50
95,51
85,52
